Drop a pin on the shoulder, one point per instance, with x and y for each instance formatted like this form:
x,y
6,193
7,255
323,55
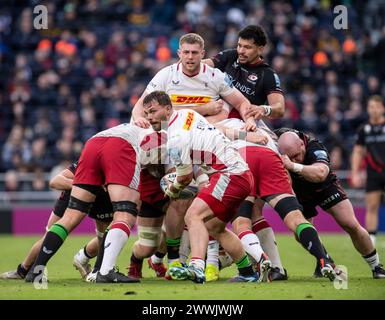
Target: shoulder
x,y
230,54
317,150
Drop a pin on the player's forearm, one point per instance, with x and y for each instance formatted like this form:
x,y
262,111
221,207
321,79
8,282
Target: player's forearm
x,y
277,110
182,179
357,157
230,133
313,173
60,182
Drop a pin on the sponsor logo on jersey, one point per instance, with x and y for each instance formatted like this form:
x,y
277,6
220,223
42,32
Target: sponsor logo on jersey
x,y
178,99
189,120
321,155
252,77
277,81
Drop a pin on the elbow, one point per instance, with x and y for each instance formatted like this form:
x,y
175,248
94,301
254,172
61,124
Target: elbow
x,y
321,175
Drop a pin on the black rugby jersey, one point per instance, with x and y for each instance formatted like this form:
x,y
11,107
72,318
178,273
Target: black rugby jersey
x,y
315,152
255,81
373,138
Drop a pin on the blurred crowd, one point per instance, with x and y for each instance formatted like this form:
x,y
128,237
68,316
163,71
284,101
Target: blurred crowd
x,y
61,85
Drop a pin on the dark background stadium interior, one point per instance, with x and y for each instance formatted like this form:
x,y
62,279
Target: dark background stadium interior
x,y
84,73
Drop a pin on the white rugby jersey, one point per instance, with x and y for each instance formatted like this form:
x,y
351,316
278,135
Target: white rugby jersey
x,y
192,140
146,142
238,124
185,91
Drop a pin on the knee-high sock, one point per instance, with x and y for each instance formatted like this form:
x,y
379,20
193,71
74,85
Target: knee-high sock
x,y
266,236
309,239
184,249
250,243
51,244
212,252
115,241
99,258
172,249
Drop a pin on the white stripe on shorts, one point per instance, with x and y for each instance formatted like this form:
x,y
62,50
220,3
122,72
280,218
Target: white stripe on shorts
x,y
220,187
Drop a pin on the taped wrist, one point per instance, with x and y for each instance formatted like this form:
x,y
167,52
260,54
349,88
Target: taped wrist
x,y
297,167
268,110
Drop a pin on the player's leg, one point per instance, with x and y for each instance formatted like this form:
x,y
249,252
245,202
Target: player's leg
x,y
149,234
124,202
211,203
343,213
174,223
289,209
23,268
372,201
250,242
90,250
212,262
80,203
155,262
266,236
184,249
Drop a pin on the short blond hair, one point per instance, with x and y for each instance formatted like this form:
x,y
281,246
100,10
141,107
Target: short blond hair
x,y
192,38
376,98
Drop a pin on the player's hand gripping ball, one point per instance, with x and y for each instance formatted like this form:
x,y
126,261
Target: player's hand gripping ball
x,y
188,192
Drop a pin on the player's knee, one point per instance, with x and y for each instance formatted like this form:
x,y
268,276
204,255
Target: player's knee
x,y
79,205
125,206
287,205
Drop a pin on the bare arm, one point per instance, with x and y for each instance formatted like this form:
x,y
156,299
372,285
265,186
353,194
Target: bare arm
x,y
242,104
138,114
275,109
62,181
234,134
277,104
316,172
357,157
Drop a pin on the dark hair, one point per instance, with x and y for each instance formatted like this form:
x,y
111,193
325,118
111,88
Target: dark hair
x,y
255,33
159,96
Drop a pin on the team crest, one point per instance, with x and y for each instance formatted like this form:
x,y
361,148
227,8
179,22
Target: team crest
x,y
252,77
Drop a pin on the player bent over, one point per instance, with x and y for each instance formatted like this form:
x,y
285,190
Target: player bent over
x,y
109,158
102,213
230,182
316,184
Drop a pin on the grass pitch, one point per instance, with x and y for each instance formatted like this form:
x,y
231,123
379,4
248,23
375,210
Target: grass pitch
x,y
65,281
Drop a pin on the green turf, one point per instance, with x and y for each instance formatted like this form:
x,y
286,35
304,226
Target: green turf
x,y
65,282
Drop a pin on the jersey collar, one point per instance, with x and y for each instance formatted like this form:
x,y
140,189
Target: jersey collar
x,y
202,69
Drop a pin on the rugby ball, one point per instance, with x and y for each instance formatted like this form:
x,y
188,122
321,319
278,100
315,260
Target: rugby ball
x,y
187,193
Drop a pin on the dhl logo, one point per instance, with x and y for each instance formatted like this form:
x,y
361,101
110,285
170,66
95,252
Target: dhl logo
x,y
185,99
189,121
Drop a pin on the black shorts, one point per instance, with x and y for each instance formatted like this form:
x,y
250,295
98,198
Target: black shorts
x,y
155,210
101,209
325,198
375,181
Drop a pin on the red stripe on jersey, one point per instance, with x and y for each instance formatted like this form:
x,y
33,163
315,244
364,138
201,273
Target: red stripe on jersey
x,y
172,121
204,68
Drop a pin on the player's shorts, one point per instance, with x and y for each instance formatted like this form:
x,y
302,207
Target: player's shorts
x,y
225,192
270,175
108,160
325,198
101,209
375,181
151,195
